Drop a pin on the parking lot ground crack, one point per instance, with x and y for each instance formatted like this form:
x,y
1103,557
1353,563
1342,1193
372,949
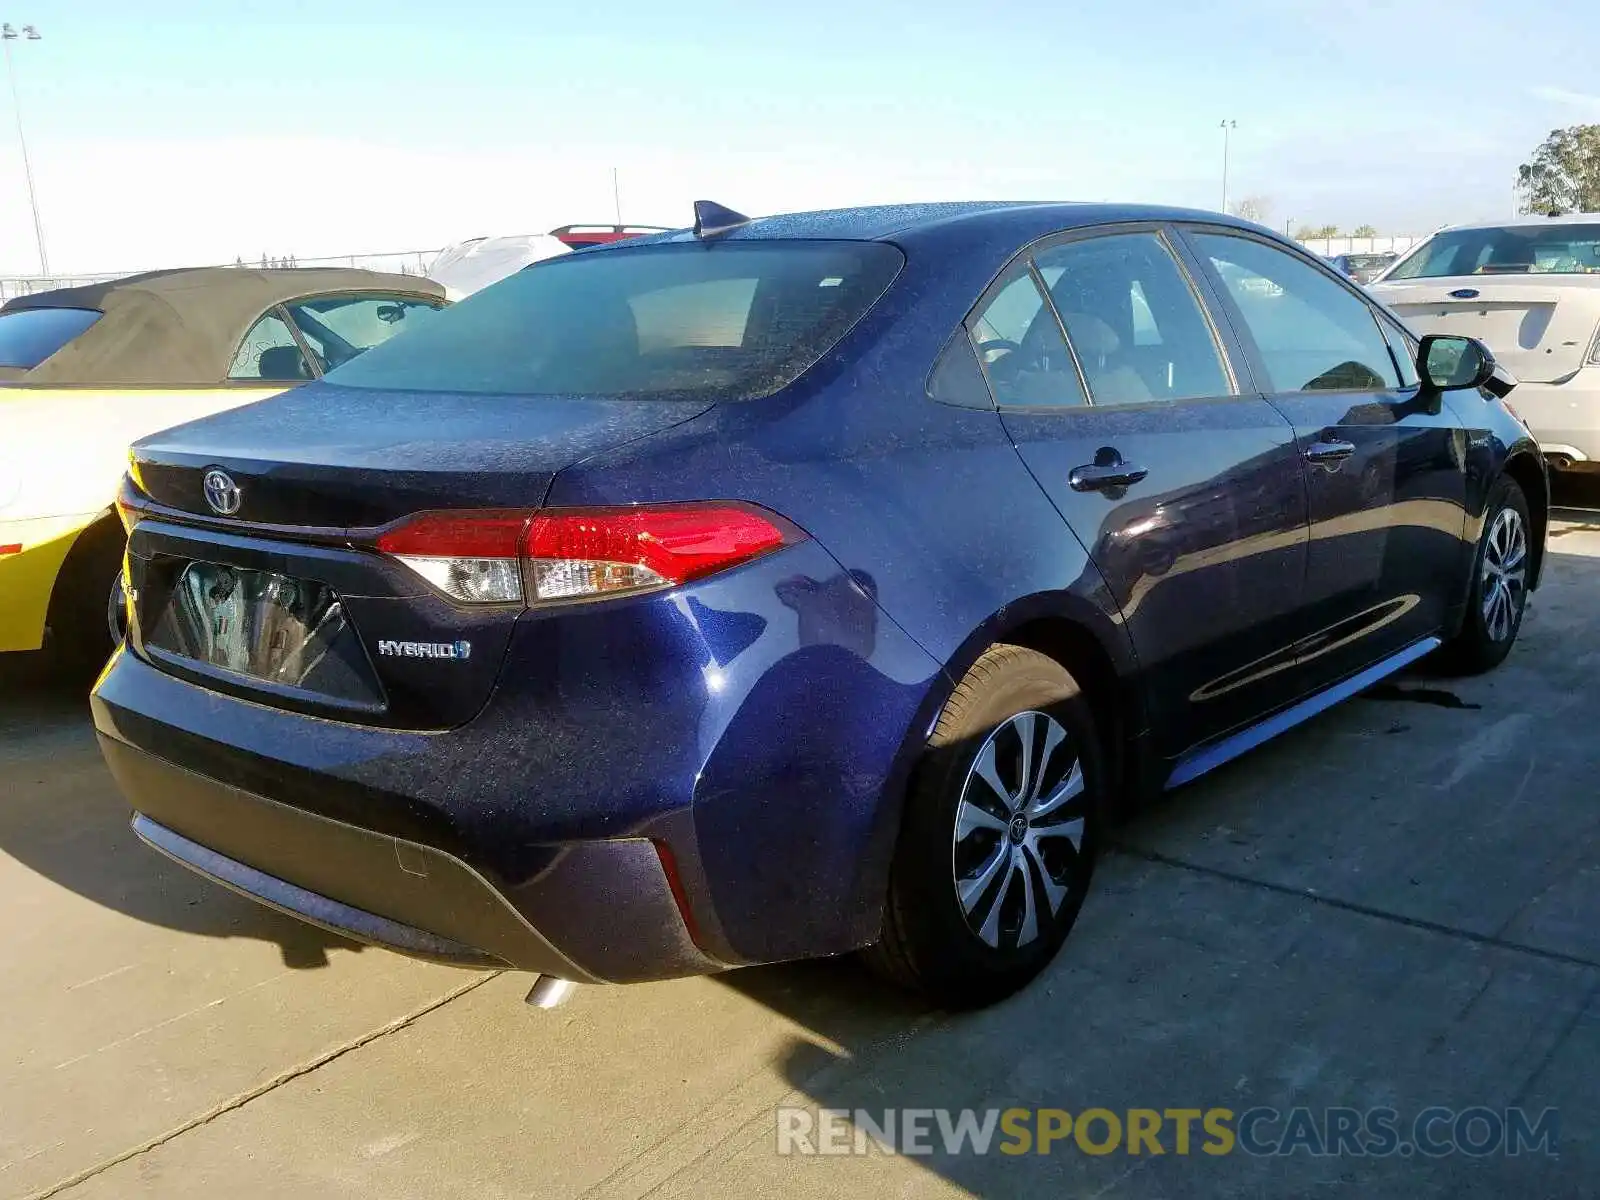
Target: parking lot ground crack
x,y
1549,1056
1351,906
269,1085
746,1110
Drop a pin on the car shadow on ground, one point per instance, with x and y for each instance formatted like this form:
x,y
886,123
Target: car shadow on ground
x,y
62,817
1292,963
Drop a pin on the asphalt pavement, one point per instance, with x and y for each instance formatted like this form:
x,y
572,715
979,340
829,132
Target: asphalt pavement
x,y
1392,907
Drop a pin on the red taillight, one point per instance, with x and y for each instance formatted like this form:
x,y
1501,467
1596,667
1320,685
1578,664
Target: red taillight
x,y
474,557
457,535
574,554
11,548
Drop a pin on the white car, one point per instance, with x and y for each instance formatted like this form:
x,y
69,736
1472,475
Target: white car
x,y
1531,289
474,264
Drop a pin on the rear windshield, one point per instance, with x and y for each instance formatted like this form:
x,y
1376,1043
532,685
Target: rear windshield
x,y
28,336
716,321
1509,250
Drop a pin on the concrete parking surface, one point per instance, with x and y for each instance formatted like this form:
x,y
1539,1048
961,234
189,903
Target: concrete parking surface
x,y
1392,906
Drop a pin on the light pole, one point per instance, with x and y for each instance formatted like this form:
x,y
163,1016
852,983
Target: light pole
x,y
1227,128
29,34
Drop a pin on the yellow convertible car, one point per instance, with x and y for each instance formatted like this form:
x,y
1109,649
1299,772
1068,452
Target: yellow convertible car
x,y
84,371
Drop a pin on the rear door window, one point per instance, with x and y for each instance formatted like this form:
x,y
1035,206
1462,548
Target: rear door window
x,y
1019,343
703,320
28,336
1134,322
340,327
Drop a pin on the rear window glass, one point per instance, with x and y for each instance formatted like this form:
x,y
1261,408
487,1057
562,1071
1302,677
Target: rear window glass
x,y
1554,249
719,320
28,336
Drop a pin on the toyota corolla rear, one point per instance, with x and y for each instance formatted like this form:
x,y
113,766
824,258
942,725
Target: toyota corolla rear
x,y
383,673
1531,291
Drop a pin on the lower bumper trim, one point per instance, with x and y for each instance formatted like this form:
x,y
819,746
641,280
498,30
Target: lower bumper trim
x,y
305,905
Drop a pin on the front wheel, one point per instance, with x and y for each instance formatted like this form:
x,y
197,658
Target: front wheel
x,y
998,840
1499,593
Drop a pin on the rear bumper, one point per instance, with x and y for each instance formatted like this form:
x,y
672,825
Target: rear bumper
x,y
1564,417
751,733
406,896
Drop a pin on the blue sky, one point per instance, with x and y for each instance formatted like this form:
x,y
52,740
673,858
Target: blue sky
x,y
179,131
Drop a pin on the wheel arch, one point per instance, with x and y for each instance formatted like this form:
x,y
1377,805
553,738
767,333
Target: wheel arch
x,y
92,539
1075,631
1527,468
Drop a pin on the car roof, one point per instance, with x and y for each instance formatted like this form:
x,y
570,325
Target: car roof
x,y
1021,221
1517,222
182,327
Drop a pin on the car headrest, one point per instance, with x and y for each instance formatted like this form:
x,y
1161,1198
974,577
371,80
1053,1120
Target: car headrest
x,y
1090,335
282,362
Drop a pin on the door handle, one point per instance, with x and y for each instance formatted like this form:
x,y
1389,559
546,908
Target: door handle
x,y
1329,452
1097,476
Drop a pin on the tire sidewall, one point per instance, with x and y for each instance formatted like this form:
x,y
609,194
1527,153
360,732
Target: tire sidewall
x,y
924,878
1485,649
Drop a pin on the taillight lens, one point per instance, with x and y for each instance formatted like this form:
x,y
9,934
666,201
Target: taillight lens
x,y
578,554
472,557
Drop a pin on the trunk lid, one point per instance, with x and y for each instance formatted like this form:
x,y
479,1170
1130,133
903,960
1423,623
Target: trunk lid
x,y
287,601
1540,326
353,458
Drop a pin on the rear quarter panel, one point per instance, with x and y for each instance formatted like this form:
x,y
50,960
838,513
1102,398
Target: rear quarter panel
x,y
932,519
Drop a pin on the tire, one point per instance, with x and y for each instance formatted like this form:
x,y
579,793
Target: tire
x,y
969,949
1498,596
80,607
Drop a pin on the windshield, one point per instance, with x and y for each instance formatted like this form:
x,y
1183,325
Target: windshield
x,y
1555,249
720,321
28,336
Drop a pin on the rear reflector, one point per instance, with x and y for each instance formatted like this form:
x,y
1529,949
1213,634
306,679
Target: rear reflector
x,y
576,554
11,548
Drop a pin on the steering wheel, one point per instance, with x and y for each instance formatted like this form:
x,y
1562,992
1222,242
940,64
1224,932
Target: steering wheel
x,y
1005,344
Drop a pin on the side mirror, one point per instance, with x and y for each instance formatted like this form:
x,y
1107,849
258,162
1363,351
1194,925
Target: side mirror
x,y
1448,363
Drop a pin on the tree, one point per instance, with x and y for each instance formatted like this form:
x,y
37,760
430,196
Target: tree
x,y
1365,231
1254,208
1302,232
1326,231
1564,172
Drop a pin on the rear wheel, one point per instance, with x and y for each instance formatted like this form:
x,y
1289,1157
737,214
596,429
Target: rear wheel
x,y
999,836
86,605
1499,594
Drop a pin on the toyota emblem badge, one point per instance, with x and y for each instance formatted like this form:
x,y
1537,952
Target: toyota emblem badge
x,y
222,493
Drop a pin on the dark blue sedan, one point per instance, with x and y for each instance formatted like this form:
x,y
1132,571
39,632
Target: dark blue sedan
x,y
787,587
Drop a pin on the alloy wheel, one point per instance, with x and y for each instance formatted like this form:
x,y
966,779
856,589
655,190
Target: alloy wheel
x,y
1019,831
1505,574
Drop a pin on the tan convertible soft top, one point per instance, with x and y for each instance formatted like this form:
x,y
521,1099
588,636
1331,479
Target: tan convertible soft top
x,y
182,327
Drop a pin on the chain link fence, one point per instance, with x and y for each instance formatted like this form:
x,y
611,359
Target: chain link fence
x,y
399,262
